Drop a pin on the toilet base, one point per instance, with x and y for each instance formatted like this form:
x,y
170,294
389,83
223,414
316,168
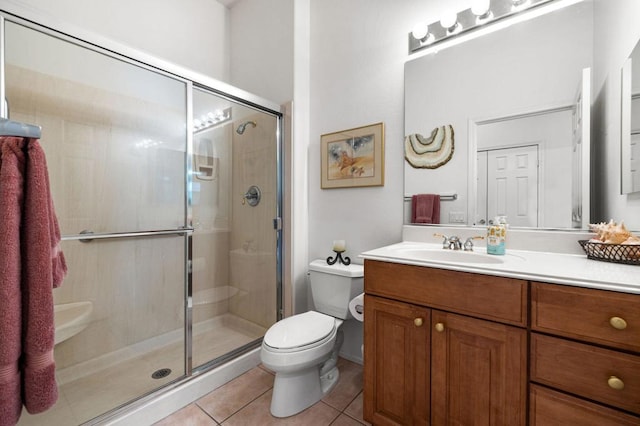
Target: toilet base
x,y
285,403
329,380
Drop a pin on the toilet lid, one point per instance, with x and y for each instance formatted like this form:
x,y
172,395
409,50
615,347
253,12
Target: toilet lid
x,y
299,330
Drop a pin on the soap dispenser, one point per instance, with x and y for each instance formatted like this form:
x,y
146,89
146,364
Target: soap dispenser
x,y
497,235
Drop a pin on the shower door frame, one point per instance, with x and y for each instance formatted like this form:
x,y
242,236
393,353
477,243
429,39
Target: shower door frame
x,y
68,33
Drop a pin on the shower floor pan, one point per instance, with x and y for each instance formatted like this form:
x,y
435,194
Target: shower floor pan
x,y
97,386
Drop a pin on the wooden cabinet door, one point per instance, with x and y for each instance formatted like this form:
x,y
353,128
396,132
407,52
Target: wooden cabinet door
x,y
396,362
478,372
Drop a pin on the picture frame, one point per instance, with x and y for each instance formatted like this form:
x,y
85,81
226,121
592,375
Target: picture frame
x,y
353,158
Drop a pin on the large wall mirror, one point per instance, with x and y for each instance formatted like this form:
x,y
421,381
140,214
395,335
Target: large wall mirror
x,y
630,147
518,101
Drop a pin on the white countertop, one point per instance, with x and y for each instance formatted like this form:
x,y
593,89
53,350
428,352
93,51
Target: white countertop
x,y
558,268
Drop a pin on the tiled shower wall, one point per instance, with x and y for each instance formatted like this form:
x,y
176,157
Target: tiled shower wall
x,y
253,239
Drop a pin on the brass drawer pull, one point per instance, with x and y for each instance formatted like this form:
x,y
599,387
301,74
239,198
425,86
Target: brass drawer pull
x,y
439,327
615,383
618,323
418,322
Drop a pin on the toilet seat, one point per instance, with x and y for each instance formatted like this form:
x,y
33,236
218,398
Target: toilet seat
x,y
300,332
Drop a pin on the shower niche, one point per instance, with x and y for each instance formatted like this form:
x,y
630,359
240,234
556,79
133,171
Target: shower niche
x,y
206,161
149,161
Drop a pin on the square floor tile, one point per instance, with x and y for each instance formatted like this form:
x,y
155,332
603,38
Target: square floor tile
x,y
231,397
257,413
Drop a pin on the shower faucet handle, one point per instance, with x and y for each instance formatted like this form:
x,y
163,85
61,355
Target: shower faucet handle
x,y
252,196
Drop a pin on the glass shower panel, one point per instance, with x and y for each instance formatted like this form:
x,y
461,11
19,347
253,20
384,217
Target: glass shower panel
x,y
115,138
133,340
114,133
234,240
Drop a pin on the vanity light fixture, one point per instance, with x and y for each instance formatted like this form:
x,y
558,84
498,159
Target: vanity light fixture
x,y
421,32
482,10
449,22
482,14
211,119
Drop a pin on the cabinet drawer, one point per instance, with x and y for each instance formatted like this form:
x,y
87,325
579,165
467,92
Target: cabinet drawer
x,y
495,298
587,314
587,371
549,407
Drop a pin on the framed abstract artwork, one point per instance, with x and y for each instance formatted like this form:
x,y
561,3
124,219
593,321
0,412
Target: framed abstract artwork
x,y
352,158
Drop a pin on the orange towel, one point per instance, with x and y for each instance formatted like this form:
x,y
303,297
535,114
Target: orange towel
x,y
425,208
36,265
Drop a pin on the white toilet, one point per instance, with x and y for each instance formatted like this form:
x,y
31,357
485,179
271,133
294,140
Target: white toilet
x,y
303,349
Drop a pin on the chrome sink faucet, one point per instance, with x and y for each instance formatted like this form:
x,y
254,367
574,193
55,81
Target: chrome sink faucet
x,y
468,244
454,243
450,243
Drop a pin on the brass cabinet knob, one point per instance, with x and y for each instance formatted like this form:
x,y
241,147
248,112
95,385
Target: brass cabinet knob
x,y
418,322
615,383
439,327
618,323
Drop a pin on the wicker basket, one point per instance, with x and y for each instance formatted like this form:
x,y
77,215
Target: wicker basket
x,y
618,253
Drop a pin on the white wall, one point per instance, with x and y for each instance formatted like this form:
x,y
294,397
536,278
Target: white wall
x,y
194,35
358,50
261,54
616,33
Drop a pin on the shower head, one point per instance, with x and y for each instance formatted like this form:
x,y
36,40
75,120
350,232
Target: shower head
x,y
243,126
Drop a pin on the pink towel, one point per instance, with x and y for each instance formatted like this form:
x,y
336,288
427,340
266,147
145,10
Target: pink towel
x,y
425,208
36,265
11,197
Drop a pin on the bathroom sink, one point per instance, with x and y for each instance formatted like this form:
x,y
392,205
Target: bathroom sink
x,y
457,256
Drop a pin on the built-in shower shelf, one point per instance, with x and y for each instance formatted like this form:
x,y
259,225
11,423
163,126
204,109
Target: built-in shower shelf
x,y
214,295
70,319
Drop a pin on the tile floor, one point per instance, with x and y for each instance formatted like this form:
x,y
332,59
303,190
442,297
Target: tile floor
x,y
246,399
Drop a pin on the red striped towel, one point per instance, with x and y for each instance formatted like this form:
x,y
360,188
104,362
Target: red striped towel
x,y
425,208
36,262
11,196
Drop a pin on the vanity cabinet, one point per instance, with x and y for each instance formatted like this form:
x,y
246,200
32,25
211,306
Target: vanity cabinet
x,y
584,342
397,366
443,347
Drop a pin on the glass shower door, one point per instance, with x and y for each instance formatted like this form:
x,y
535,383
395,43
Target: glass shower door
x,y
115,138
235,243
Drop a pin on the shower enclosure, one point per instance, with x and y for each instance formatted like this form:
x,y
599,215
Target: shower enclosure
x,y
167,191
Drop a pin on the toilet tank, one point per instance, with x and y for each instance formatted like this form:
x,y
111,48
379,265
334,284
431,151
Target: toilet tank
x,y
333,287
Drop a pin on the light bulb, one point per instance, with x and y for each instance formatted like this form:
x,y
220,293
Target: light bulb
x,y
420,31
449,20
480,7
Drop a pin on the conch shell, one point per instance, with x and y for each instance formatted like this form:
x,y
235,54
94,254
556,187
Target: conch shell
x,y
627,245
612,233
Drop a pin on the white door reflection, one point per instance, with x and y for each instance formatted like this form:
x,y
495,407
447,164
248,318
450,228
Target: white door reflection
x,y
510,182
523,171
